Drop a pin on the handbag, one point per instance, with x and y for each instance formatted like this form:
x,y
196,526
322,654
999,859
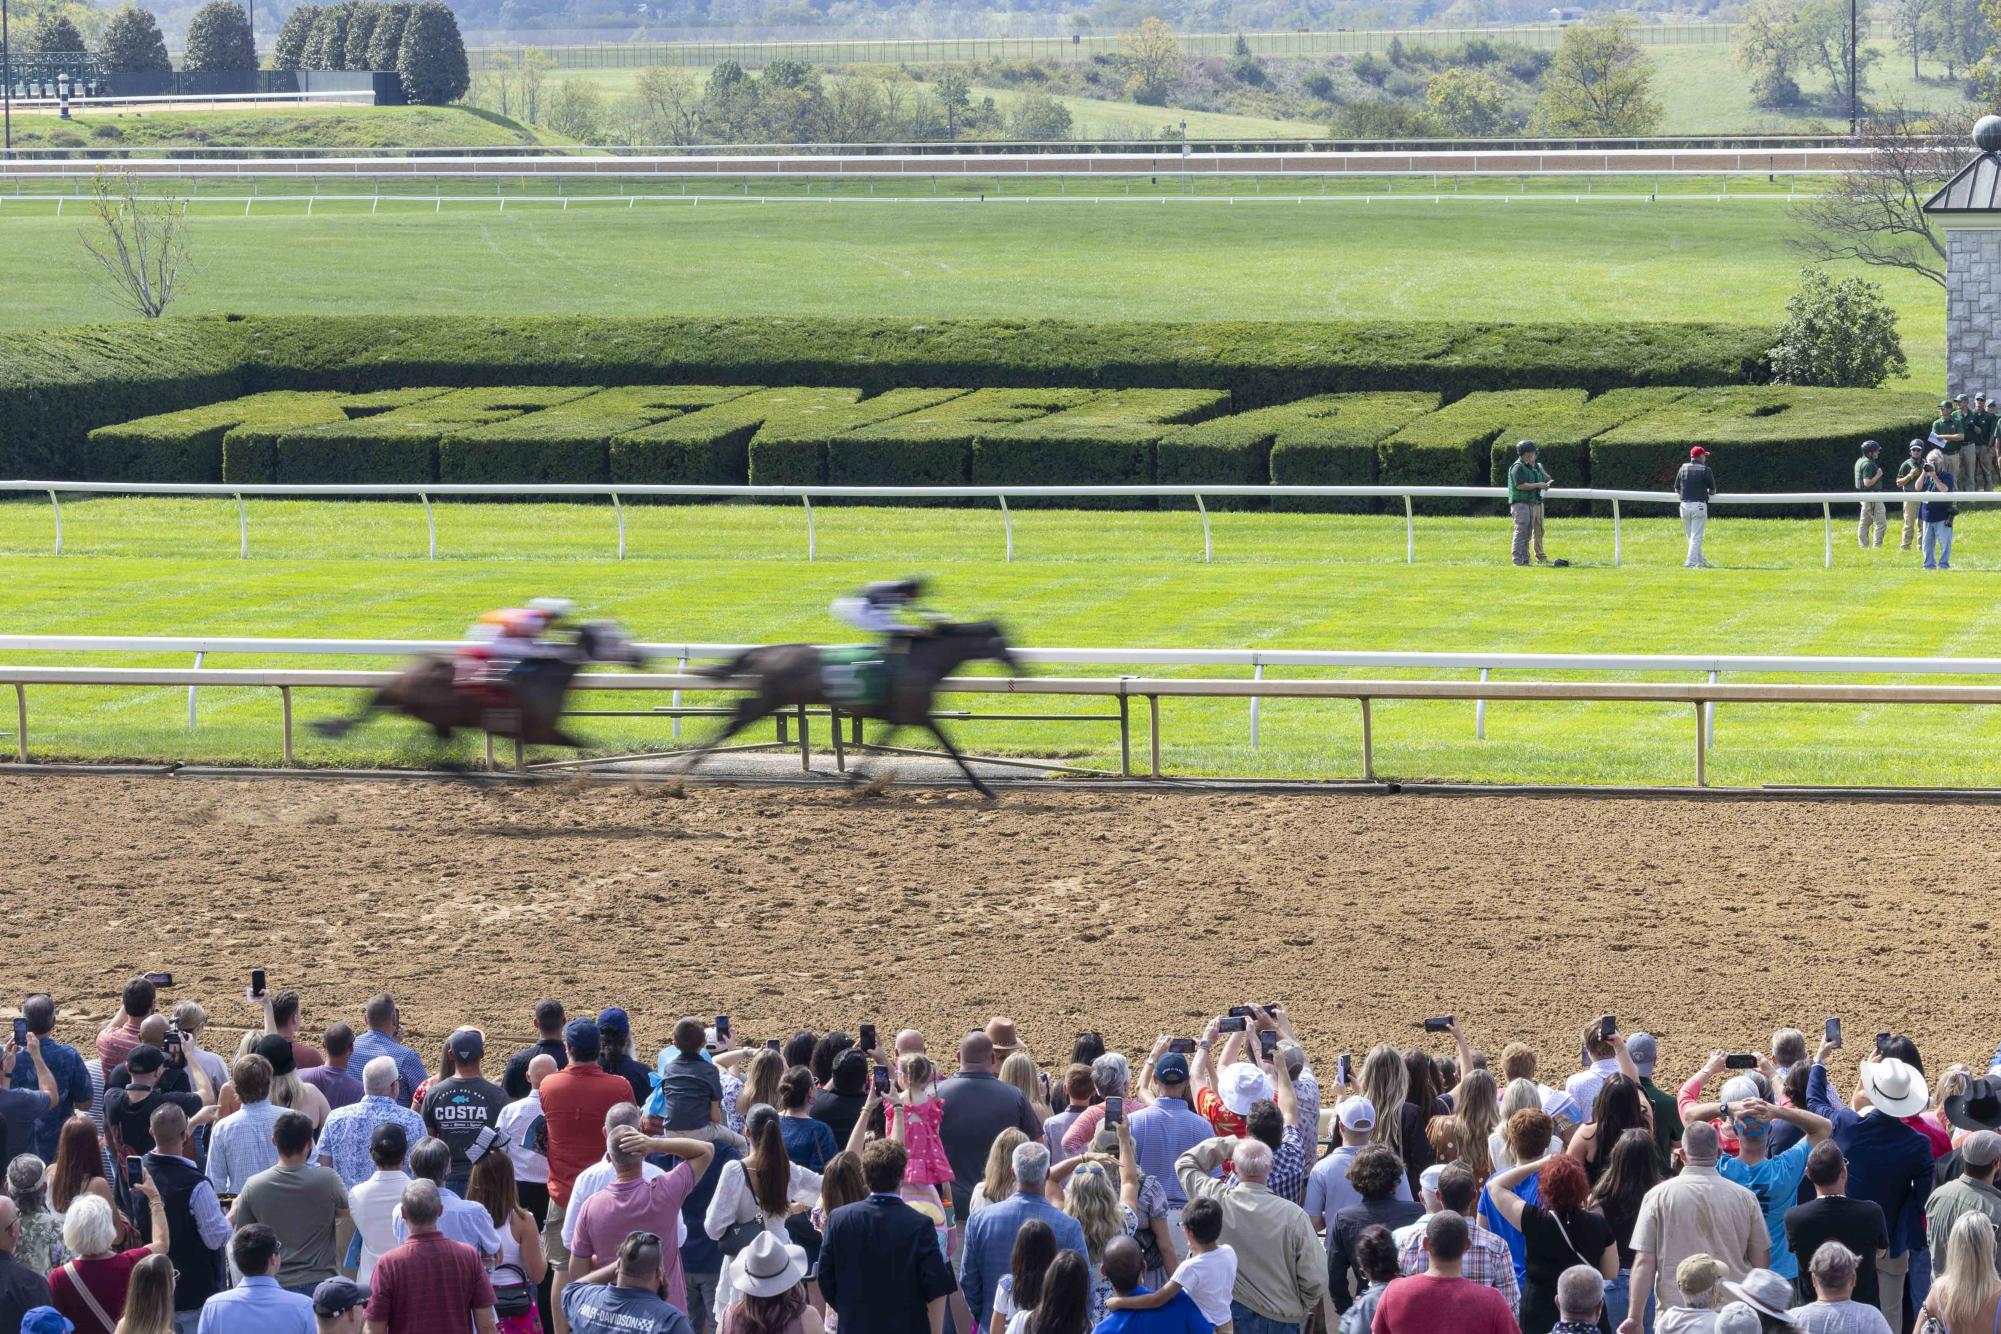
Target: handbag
x,y
513,1294
739,1235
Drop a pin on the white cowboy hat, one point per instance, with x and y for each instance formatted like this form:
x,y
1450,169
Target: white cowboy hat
x,y
1241,1085
1894,1087
1765,1292
767,1267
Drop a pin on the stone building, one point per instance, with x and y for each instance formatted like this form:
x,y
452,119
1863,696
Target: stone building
x,y
1968,207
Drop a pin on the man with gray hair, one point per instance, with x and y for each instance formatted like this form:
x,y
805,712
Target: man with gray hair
x,y
990,1233
460,1219
430,1283
634,1202
1835,1311
21,1289
1697,1212
1281,1266
1111,1077
1972,1191
1580,1298
345,1138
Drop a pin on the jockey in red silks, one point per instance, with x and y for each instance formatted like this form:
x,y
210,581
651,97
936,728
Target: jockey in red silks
x,y
500,642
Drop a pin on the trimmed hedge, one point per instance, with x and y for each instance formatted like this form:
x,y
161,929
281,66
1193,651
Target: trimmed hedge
x,y
1561,422
402,445
250,449
712,447
570,442
790,449
186,446
1761,438
1334,441
1106,441
934,447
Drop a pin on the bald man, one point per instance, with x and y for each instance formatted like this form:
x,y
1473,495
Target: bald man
x,y
21,1288
978,1107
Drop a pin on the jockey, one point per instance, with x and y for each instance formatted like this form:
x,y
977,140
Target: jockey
x,y
501,641
885,608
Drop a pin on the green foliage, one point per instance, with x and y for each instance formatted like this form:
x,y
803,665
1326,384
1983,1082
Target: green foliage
x,y
1561,422
1600,83
250,447
1385,118
219,38
1107,440
1325,441
712,447
934,446
402,445
288,51
790,448
131,43
187,446
1842,334
1467,101
577,110
1761,438
55,34
569,442
361,23
432,57
1038,116
326,43
385,44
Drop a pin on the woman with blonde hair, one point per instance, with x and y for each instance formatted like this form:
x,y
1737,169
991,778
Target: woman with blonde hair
x,y
1085,1189
287,1089
1521,1096
998,1183
760,1084
1400,1123
1476,1117
149,1298
1966,1292
1019,1070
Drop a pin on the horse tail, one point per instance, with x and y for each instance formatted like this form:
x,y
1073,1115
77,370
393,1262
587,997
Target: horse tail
x,y
740,665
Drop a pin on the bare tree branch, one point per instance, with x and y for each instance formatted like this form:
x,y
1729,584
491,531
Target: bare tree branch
x,y
1875,213
140,243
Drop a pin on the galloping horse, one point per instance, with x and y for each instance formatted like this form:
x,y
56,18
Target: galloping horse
x,y
427,691
861,683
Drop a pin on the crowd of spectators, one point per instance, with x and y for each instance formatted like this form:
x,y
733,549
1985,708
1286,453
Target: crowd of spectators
x,y
806,1182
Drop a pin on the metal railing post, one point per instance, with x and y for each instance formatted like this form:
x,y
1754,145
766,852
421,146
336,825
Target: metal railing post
x,y
1257,674
1208,551
805,745
285,703
1007,526
618,510
1709,716
1125,735
1409,533
1615,532
811,546
1701,752
430,525
242,530
1827,531
1153,730
680,669
1368,743
21,722
1480,712
58,507
191,692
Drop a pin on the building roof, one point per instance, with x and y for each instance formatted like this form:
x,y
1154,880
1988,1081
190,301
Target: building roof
x,y
1975,188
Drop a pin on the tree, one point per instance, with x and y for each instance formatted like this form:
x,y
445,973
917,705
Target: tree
x,y
289,50
1468,101
432,59
219,38
1960,33
1837,333
326,44
577,110
131,44
1038,116
955,95
533,73
56,34
361,21
387,40
1151,55
1385,118
1909,28
139,243
1825,30
1772,44
674,115
1874,212
1599,83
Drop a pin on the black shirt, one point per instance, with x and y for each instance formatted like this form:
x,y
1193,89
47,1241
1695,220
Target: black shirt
x,y
1856,1224
457,1109
840,1111
1695,482
1551,1248
131,1110
634,1073
172,1079
515,1078
21,1291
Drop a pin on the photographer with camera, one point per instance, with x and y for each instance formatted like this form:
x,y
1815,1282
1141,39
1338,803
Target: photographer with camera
x,y
1935,481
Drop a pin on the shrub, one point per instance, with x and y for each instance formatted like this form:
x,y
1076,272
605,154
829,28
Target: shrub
x,y
288,49
570,442
1761,438
186,446
1441,449
934,447
711,447
790,448
361,21
1343,428
1333,441
1838,333
1105,441
432,57
402,445
131,43
386,42
326,41
219,38
1561,422
250,448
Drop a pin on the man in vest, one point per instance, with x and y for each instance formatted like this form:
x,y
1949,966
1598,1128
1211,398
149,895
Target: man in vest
x,y
197,1229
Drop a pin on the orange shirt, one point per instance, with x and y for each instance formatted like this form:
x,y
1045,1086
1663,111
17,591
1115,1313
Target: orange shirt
x,y
574,1101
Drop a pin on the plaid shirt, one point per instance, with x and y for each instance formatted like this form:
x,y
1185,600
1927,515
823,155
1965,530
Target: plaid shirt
x,y
1289,1165
1487,1260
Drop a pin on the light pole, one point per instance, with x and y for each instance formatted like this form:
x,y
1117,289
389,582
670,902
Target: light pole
x,y
6,84
1854,82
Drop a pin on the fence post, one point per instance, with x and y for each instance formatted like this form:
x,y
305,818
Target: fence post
x,y
1125,734
191,692
1409,533
619,510
1480,712
242,530
1701,752
285,702
1368,744
430,525
1827,531
1257,674
1153,730
57,505
810,547
1709,717
1208,551
1615,533
680,669
1007,526
21,722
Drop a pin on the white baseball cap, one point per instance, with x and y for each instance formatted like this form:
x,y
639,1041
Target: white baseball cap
x,y
1356,1113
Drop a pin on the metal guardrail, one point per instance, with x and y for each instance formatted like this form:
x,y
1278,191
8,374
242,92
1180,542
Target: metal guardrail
x,y
615,492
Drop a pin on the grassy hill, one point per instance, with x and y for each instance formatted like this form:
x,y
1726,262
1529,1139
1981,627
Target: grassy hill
x,y
302,127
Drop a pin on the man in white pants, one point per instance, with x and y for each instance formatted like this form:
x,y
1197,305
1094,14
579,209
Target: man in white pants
x,y
1695,483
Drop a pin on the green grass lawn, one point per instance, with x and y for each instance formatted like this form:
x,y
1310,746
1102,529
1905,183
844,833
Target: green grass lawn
x,y
1527,260
738,574
292,127
1703,90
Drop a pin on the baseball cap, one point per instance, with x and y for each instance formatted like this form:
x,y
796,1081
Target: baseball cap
x,y
1697,1274
1356,1113
613,1020
1644,1051
1428,1179
1871,447
46,1320
1698,453
1738,1318
583,1037
337,1296
1981,1148
1945,402
1171,1068
277,1049
1524,446
467,1044
1917,446
145,1059
1959,398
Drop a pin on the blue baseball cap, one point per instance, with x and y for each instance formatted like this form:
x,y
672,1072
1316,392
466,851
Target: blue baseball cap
x,y
613,1020
46,1320
1171,1068
583,1037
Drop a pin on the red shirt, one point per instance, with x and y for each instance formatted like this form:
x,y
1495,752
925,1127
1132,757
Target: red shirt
x,y
106,1279
1423,1304
1941,1139
574,1101
1226,1122
428,1285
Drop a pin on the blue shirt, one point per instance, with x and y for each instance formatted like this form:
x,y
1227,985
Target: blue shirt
x,y
1776,1183
257,1306
808,1143
72,1080
240,1146
344,1141
1180,1316
989,1248
1161,1134
1497,1223
409,1065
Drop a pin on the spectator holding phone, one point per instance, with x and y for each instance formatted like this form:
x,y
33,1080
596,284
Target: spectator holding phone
x,y
1168,1128
38,1011
1935,482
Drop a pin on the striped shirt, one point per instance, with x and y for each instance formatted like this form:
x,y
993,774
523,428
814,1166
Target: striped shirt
x,y
1289,1165
241,1146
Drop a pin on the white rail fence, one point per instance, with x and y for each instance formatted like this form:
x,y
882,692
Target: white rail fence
x,y
685,654
1825,501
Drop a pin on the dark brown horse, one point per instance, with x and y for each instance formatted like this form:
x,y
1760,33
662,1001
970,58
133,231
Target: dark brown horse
x,y
789,675
428,692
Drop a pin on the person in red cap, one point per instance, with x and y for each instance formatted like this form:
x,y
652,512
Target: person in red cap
x,y
1695,483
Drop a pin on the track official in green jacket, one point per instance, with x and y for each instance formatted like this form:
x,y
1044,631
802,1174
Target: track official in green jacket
x,y
1869,477
1527,480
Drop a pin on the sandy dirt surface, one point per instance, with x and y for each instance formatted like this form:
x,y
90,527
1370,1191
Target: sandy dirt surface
x,y
1708,923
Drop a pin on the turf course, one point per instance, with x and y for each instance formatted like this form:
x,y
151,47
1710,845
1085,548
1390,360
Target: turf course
x,y
737,573
1675,260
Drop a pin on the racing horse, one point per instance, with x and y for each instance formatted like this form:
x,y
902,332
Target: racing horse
x,y
427,691
862,682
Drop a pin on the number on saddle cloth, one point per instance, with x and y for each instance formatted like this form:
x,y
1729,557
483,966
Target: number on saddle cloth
x,y
855,676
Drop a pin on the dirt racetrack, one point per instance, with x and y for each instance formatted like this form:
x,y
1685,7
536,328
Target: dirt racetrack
x,y
1709,923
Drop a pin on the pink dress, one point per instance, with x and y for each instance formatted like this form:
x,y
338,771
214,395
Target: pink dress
x,y
926,1152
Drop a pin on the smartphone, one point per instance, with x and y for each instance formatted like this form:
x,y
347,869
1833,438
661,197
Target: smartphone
x,y
1115,1111
1441,1024
160,979
20,1032
1344,1071
171,1044
257,981
1834,1032
1181,1046
773,1044
867,1040
1882,1041
1234,1023
1608,1026
722,1028
1241,1011
882,1079
135,1169
1268,1041
1740,1061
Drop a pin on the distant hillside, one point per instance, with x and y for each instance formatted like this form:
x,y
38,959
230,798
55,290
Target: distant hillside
x,y
346,127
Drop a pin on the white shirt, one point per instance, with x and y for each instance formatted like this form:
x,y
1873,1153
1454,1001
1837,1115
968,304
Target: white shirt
x,y
1584,1085
594,1179
374,1203
1686,1320
1209,1278
513,1122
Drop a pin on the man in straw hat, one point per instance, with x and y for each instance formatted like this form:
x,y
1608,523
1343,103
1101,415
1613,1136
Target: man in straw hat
x,y
1765,1292
1888,1162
